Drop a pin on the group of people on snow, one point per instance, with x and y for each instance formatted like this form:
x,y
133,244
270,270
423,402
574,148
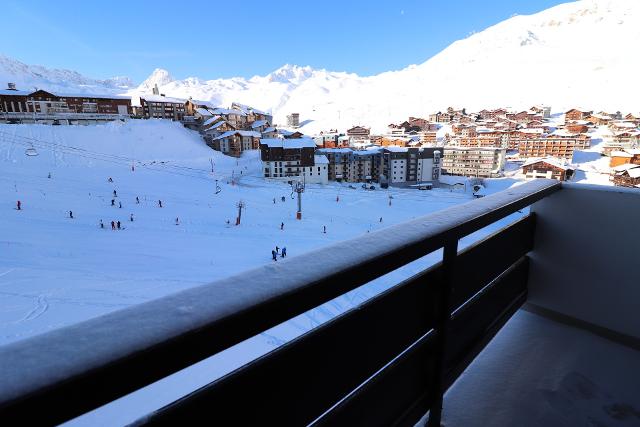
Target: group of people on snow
x,y
277,251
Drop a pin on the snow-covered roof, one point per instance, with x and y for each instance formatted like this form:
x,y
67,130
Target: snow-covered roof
x,y
621,154
553,161
320,160
258,123
288,143
89,95
269,129
334,150
14,92
247,109
206,104
160,98
217,125
395,149
623,125
532,130
563,132
634,173
204,112
624,167
226,112
239,132
211,120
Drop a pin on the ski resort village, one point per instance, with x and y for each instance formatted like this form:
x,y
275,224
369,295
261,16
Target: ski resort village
x,y
449,244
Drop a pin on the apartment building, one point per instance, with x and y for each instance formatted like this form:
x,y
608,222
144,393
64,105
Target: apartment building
x,y
49,103
392,165
411,165
549,168
552,145
162,107
293,160
474,162
234,142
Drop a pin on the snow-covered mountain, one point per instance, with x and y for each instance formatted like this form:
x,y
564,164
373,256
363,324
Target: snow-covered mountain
x,y
29,77
575,54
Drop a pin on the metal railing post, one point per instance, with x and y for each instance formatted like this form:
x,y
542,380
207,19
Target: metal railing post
x,y
450,252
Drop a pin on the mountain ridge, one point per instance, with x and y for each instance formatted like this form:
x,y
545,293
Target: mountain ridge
x,y
557,56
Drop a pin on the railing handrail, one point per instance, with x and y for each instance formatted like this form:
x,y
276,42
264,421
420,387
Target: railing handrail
x,y
186,327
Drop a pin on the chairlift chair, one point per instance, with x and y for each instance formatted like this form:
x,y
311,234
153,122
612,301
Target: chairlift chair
x,y
31,151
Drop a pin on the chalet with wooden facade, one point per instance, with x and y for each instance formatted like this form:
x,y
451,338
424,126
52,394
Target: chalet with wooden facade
x,y
626,175
252,114
623,157
234,142
359,133
576,114
549,168
580,126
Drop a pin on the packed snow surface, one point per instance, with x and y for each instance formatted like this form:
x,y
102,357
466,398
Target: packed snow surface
x,y
56,270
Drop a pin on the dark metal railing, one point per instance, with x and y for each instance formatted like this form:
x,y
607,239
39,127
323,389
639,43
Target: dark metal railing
x,y
387,361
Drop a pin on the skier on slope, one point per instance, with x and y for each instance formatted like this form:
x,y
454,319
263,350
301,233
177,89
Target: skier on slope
x,y
120,205
19,205
137,200
282,226
159,203
118,225
177,221
131,217
101,224
284,252
71,214
113,202
115,194
274,256
283,198
324,229
110,179
113,225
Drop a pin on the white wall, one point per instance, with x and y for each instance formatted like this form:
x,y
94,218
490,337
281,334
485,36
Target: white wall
x,y
586,261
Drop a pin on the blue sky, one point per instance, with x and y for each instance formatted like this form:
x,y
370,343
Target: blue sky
x,y
242,38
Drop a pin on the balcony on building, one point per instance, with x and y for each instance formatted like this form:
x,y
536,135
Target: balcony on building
x,y
528,317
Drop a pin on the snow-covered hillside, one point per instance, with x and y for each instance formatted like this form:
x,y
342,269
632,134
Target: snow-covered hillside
x,y
55,270
29,77
575,54
579,53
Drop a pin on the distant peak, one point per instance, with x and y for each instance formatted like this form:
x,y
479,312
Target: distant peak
x,y
289,73
159,77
